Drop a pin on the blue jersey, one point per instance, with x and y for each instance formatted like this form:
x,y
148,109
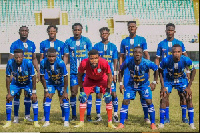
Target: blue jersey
x,y
138,73
175,70
46,44
108,52
127,46
165,47
22,74
77,50
28,47
56,71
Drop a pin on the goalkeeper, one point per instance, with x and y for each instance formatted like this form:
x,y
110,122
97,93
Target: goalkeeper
x,y
98,75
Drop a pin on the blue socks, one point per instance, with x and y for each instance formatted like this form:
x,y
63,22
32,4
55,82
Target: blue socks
x,y
27,103
115,104
35,110
123,113
167,113
16,106
66,109
145,108
47,107
62,109
151,111
162,115
9,110
89,105
98,106
184,109
191,115
73,105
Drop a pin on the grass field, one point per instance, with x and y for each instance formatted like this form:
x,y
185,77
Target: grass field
x,y
135,123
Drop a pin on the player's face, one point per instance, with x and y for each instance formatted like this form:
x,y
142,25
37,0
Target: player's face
x,y
138,54
23,32
176,52
132,28
104,35
51,57
77,31
52,32
94,59
170,30
18,57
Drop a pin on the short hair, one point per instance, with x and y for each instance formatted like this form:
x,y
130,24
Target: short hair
x,y
170,24
18,51
50,26
104,28
93,52
22,27
137,47
77,24
129,22
176,45
51,50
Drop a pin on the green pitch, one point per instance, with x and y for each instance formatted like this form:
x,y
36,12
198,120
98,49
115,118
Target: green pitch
x,y
135,123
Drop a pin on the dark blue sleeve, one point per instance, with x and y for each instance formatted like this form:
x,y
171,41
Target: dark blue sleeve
x,y
189,63
89,44
63,68
124,65
31,68
8,68
42,69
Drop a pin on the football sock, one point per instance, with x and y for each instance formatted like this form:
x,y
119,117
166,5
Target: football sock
x,y
191,115
151,111
109,111
16,106
89,105
73,105
35,110
123,113
47,107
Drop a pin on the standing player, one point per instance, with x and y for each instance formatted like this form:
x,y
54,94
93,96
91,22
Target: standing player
x,y
23,77
77,48
98,73
58,80
29,53
138,81
56,44
108,51
176,77
164,49
126,50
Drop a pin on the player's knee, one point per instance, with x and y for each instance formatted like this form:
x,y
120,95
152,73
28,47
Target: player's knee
x,y
114,95
99,95
125,102
148,101
74,92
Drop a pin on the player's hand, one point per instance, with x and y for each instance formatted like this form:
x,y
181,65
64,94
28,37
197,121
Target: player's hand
x,y
115,78
9,97
188,92
121,88
163,93
34,97
153,86
38,77
47,94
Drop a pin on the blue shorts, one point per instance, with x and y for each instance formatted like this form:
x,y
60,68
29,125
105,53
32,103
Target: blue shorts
x,y
74,79
53,88
130,92
15,89
113,87
181,86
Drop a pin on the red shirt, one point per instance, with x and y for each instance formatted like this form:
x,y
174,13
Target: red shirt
x,y
97,73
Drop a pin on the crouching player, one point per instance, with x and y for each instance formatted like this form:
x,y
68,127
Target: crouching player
x,y
98,73
58,80
176,77
22,70
138,81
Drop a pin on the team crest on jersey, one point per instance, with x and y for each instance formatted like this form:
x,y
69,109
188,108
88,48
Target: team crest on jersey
x,y
58,48
25,45
84,46
139,45
99,70
26,72
111,52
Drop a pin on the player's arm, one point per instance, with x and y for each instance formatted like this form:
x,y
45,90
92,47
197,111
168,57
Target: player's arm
x,y
35,63
41,56
41,51
80,81
8,83
193,73
146,55
43,81
66,52
8,75
144,47
115,70
42,72
109,80
11,55
154,67
121,73
157,60
66,57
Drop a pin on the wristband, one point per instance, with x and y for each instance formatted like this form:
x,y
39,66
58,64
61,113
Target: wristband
x,y
120,83
188,72
154,82
46,90
81,89
33,91
108,90
115,72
